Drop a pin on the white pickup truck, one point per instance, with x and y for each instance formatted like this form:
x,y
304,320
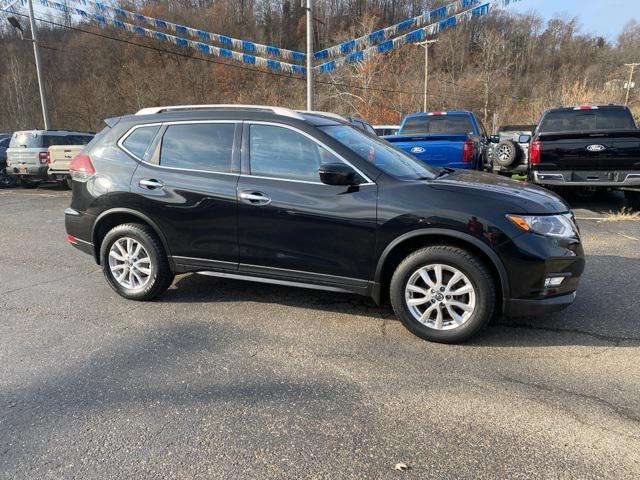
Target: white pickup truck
x,y
59,157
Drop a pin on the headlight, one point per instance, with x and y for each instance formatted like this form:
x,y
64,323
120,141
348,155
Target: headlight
x,y
557,226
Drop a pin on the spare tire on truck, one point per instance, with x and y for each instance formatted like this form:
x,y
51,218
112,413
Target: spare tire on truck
x,y
506,153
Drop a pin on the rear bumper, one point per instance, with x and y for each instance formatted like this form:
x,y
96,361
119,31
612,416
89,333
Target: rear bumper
x,y
29,171
571,178
525,308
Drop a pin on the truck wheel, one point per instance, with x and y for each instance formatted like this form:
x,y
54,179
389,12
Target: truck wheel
x,y
7,181
443,294
29,183
134,262
633,200
68,182
506,153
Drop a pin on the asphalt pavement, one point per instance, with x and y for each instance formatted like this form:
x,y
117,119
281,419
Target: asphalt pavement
x,y
227,379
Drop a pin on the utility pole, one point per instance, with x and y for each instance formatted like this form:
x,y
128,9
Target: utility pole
x,y
36,51
632,67
309,54
426,44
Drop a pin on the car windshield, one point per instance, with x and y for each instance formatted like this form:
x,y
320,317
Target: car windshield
x,y
579,120
382,154
437,125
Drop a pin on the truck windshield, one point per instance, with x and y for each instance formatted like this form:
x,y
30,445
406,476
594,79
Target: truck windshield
x,y
437,125
382,154
579,120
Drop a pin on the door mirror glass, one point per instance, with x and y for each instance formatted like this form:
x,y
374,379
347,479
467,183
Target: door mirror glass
x,y
524,139
337,174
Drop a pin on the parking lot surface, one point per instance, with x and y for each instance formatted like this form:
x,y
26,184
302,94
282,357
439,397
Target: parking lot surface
x,y
226,379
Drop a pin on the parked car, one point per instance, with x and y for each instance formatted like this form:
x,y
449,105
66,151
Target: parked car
x,y
300,199
444,139
5,180
386,130
588,147
28,156
508,152
59,158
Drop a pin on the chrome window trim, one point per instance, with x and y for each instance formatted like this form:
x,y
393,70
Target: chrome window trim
x,y
168,124
368,181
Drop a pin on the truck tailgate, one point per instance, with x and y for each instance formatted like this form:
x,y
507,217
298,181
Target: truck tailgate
x,y
60,156
436,150
602,150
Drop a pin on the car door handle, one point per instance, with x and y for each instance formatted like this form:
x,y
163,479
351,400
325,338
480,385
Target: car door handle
x,y
151,184
255,198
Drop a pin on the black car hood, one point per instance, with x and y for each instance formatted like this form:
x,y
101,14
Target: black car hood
x,y
523,196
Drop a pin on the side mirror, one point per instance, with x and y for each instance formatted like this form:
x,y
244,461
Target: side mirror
x,y
337,174
494,139
524,139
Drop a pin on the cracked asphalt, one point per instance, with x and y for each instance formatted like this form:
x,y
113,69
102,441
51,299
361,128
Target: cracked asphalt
x,y
225,379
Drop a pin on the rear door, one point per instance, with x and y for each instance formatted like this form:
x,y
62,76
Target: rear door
x,y
293,226
187,186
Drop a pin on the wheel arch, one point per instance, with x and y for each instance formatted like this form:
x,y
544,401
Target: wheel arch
x,y
399,248
118,216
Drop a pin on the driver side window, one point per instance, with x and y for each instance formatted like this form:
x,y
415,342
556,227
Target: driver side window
x,y
280,152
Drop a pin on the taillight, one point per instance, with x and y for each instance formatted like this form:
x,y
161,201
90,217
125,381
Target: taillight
x,y
467,151
43,157
81,168
535,152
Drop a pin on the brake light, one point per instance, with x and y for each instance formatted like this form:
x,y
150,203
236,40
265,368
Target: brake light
x,y
586,107
437,114
43,157
81,168
535,152
467,151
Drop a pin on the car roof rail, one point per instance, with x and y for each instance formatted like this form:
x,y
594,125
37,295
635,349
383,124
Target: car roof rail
x,y
285,112
337,116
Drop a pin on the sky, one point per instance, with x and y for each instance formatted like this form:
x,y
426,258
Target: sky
x,y
601,17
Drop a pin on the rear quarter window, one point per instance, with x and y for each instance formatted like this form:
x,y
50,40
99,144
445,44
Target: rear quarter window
x,y
138,141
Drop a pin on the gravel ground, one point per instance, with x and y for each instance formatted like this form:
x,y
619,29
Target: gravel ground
x,y
226,379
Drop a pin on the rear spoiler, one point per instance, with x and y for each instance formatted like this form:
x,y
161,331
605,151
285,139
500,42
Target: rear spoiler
x,y
112,122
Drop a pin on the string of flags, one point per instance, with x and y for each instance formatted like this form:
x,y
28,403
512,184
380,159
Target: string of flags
x,y
349,52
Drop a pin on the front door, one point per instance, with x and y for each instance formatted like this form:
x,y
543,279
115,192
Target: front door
x,y
289,223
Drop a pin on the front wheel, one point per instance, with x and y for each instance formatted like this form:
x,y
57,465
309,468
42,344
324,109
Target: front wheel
x,y
134,262
443,294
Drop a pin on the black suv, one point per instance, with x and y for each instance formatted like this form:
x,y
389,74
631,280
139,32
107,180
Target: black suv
x,y
304,199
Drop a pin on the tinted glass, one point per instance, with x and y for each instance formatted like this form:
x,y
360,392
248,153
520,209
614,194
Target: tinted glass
x,y
140,139
198,146
437,124
382,154
37,140
283,153
578,120
5,142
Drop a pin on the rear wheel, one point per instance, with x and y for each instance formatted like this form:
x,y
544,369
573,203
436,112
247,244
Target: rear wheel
x,y
134,262
633,200
443,294
7,181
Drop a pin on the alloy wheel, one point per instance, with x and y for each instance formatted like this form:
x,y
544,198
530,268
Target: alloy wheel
x,y
130,263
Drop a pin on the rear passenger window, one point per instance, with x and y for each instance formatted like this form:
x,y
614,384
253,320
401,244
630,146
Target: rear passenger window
x,y
198,146
140,139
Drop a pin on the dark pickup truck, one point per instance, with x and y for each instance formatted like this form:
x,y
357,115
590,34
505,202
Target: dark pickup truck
x,y
588,147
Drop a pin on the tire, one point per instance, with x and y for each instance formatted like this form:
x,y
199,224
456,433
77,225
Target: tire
x,y
7,181
68,182
475,275
154,275
506,153
29,183
633,200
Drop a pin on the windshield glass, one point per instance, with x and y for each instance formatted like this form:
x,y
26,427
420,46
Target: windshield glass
x,y
437,125
578,120
382,154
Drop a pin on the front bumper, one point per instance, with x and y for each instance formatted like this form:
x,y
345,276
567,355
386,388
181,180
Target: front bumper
x,y
524,308
577,178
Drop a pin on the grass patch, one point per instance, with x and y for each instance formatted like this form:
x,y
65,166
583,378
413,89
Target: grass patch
x,y
624,215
